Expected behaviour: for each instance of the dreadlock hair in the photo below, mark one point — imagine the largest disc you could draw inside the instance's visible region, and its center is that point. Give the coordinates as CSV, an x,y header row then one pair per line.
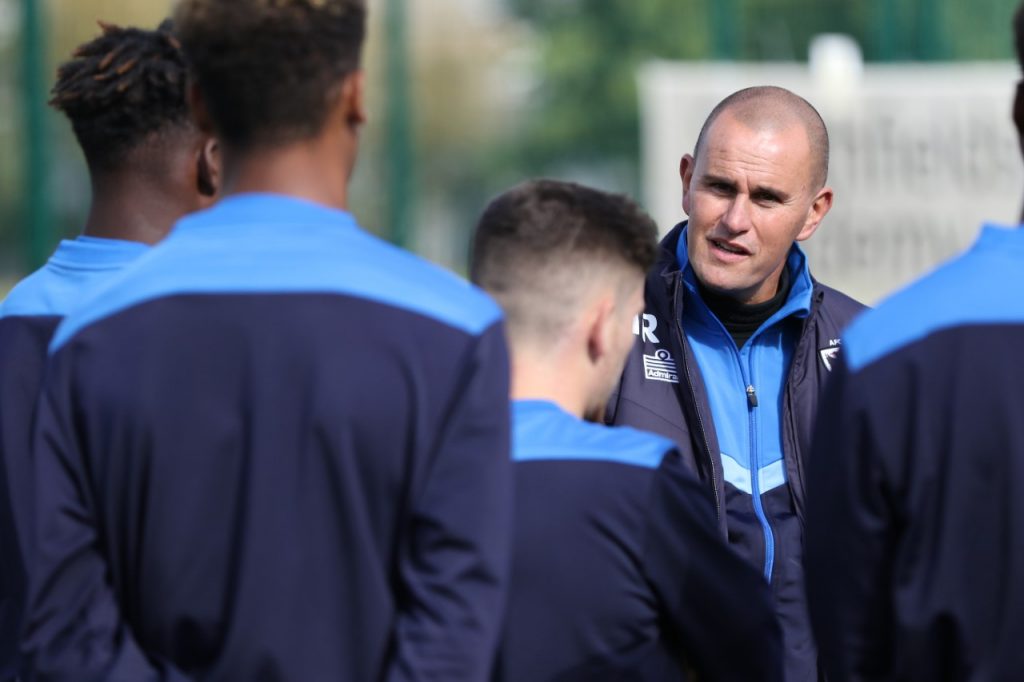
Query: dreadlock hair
x,y
269,70
120,89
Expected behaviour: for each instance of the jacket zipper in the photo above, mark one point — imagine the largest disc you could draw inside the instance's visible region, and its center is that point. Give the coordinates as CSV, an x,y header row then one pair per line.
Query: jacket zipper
x,y
677,316
755,471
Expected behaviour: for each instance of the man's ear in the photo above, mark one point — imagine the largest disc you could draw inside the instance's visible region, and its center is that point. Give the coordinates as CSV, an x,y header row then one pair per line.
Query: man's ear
x,y
208,168
353,100
686,166
600,326
198,109
819,209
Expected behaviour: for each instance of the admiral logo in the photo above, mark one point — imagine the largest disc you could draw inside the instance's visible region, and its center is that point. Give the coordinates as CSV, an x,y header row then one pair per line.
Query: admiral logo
x,y
661,367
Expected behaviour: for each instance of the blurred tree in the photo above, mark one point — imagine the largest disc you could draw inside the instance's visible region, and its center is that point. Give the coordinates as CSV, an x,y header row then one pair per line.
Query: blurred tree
x,y
584,113
584,116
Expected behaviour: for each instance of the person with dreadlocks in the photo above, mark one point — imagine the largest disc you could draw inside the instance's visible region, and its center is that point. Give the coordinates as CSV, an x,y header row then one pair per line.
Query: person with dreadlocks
x,y
278,447
125,95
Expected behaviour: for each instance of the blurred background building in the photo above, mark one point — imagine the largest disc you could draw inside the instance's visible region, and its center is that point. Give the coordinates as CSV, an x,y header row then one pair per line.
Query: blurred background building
x,y
470,96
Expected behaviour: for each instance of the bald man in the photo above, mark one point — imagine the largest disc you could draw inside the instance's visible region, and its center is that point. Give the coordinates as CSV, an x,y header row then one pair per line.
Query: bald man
x,y
737,339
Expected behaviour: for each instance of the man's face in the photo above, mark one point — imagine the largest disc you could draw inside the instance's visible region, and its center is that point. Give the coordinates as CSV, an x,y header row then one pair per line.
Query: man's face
x,y
749,196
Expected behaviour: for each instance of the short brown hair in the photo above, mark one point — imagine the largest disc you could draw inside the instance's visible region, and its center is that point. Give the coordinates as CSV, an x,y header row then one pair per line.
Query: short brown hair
x,y
269,69
536,245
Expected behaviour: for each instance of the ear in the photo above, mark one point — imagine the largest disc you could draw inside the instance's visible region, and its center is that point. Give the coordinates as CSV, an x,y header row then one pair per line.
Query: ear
x,y
200,112
600,328
819,209
353,101
208,168
686,166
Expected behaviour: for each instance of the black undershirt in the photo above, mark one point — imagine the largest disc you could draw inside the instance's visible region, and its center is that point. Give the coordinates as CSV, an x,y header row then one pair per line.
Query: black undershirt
x,y
741,320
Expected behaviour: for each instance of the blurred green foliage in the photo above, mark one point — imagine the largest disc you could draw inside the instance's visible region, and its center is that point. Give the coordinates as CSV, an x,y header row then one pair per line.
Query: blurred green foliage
x,y
581,118
586,111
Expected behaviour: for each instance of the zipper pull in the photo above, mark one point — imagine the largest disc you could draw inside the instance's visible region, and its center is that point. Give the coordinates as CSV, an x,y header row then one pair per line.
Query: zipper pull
x,y
751,396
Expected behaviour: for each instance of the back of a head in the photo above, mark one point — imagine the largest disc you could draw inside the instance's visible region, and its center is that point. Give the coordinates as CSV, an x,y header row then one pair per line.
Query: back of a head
x,y
122,90
772,107
541,246
269,70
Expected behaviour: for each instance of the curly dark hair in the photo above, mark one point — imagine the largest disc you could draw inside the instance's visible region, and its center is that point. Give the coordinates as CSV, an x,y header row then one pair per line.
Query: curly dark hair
x,y
120,88
269,70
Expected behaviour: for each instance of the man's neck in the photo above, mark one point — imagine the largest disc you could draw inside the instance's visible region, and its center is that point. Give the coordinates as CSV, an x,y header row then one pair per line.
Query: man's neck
x,y
742,320
534,379
308,170
123,208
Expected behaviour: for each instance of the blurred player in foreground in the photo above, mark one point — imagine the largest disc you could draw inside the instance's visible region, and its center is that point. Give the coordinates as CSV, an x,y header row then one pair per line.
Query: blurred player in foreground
x,y
618,566
278,449
124,93
915,531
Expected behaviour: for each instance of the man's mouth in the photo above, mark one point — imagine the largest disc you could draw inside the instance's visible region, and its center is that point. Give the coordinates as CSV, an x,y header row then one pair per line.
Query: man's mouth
x,y
727,247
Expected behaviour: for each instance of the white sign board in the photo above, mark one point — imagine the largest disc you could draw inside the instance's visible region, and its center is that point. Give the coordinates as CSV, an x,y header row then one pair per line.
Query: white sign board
x,y
922,155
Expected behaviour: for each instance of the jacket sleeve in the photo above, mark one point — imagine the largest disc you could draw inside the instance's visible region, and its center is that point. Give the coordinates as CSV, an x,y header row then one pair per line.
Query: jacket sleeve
x,y
848,537
717,606
22,356
455,560
74,628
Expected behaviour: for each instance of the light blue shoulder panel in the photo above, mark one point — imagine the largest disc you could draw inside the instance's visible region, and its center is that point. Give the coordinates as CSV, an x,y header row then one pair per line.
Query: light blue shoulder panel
x,y
985,285
543,431
258,243
73,272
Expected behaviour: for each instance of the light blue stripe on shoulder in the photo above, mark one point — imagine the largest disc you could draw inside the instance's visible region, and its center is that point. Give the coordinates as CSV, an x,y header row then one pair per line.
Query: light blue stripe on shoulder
x,y
982,286
263,244
36,296
75,269
542,431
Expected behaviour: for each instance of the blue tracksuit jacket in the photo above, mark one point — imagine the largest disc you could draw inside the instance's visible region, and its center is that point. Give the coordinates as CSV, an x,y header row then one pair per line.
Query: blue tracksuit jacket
x,y
28,317
915,531
276,448
619,572
745,416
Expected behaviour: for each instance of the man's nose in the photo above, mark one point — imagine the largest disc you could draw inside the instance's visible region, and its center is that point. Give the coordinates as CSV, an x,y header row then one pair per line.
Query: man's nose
x,y
736,218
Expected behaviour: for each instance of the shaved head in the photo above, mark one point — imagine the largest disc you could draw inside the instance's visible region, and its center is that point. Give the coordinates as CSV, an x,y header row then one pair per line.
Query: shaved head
x,y
771,108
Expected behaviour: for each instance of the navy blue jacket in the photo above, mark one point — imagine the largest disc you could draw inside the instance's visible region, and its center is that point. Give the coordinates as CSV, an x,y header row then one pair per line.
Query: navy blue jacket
x,y
686,380
276,448
915,531
28,317
619,572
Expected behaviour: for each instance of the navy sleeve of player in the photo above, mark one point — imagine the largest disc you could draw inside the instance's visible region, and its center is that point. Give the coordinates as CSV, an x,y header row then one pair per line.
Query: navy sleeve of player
x,y
456,556
22,356
74,629
719,609
848,540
